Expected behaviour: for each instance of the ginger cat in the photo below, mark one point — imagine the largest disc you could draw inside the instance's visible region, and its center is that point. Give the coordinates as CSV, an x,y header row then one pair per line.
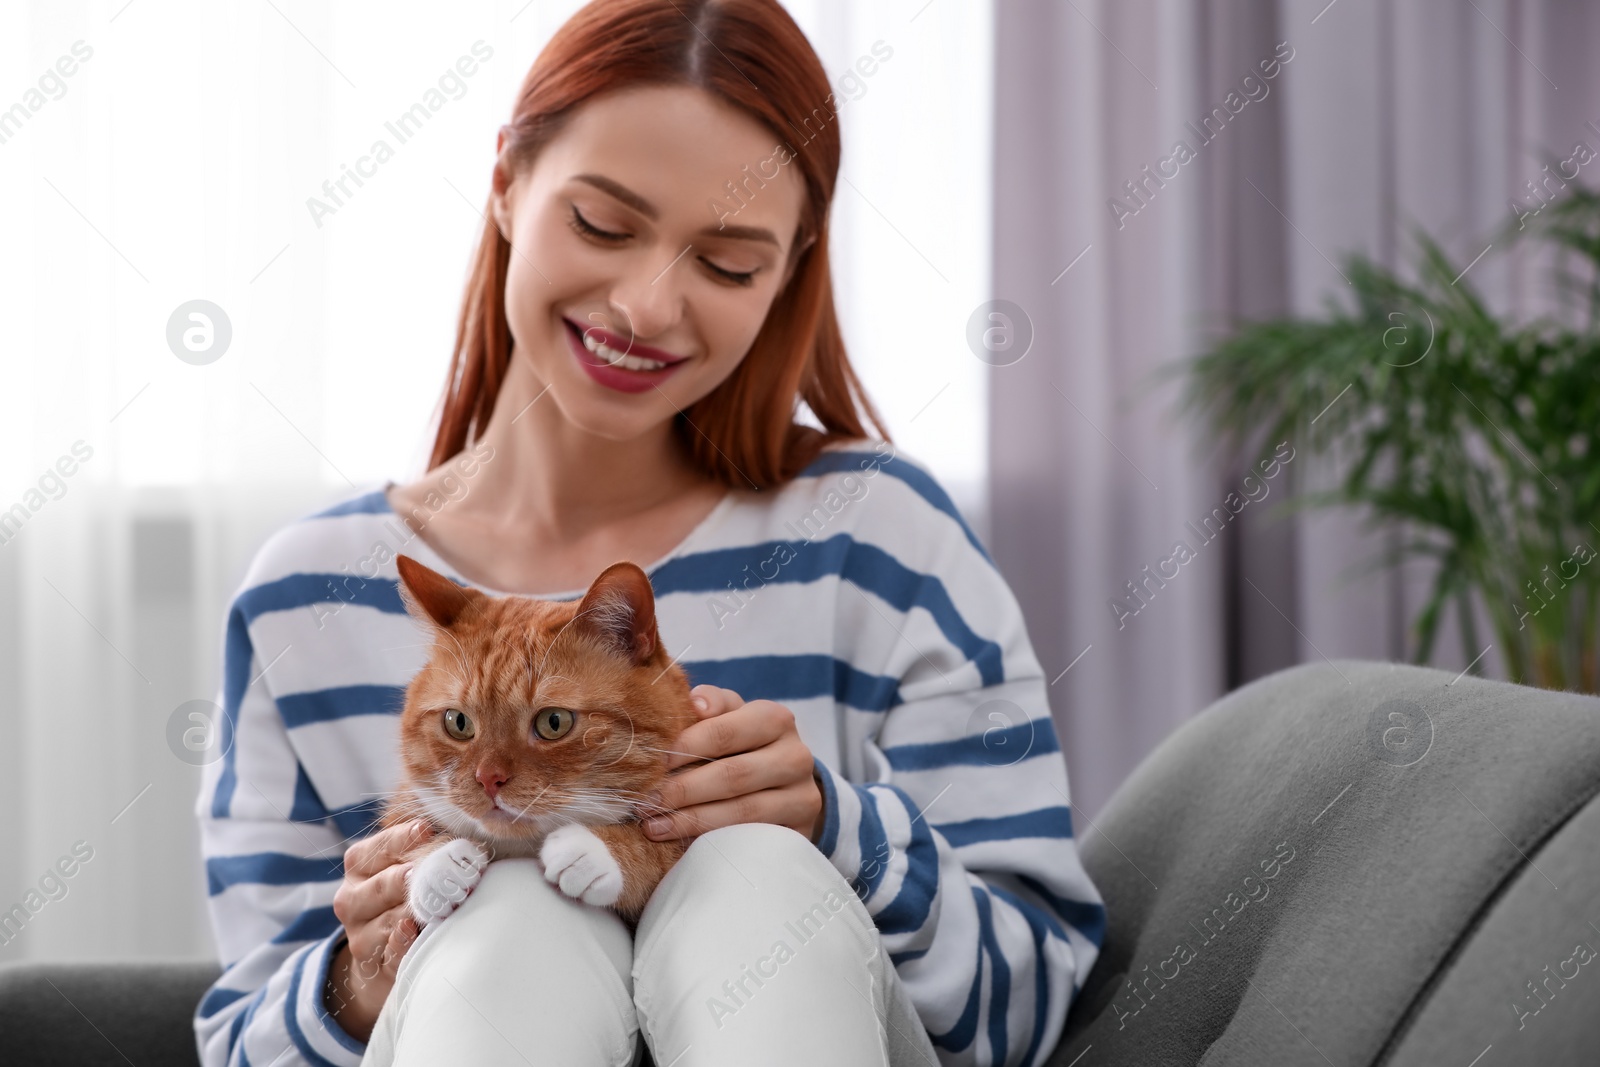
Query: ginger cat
x,y
533,730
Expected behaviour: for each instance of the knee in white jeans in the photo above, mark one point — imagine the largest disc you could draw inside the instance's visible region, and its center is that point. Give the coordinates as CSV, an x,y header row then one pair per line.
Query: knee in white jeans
x,y
514,936
759,882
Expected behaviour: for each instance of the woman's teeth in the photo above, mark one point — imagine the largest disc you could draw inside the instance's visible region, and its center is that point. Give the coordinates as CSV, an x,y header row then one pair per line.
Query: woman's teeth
x,y
618,359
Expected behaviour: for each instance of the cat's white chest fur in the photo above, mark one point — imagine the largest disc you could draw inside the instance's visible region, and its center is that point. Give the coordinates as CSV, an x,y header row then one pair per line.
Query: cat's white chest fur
x,y
577,861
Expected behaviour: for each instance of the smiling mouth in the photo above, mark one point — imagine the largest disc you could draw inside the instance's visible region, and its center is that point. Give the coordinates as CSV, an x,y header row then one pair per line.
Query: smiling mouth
x,y
610,356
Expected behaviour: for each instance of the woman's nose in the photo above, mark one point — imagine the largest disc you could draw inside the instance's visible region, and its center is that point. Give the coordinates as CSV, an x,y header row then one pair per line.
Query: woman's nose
x,y
650,297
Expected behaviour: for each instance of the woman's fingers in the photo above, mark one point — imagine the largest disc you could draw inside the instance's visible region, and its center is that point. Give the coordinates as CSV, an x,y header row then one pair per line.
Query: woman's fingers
x,y
723,779
384,848
712,700
402,932
361,902
743,729
786,806
781,763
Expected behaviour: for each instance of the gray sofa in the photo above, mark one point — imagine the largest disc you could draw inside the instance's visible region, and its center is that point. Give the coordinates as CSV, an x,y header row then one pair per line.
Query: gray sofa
x,y
1350,863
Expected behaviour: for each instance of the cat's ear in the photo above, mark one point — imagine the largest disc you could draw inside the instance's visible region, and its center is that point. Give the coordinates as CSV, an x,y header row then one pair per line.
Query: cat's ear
x,y
620,609
429,596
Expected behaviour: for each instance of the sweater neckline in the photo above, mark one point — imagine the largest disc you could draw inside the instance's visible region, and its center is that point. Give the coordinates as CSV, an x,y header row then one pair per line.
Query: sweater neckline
x,y
427,555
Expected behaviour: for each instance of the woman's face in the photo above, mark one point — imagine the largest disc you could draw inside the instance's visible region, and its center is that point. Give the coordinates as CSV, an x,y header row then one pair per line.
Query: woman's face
x,y
679,269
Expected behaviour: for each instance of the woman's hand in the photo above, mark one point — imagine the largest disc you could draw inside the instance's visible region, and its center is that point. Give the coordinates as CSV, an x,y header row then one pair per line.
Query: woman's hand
x,y
371,903
760,771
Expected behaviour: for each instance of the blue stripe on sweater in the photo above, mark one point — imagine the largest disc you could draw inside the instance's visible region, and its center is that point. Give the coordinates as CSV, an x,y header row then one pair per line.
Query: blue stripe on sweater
x,y
1086,917
1053,821
353,822
1037,921
291,1020
908,911
864,565
767,677
236,655
871,568
270,868
873,841
999,975
1051,924
217,999
965,1028
330,1025
373,503
997,746
905,471
800,676
306,806
358,820
340,702
305,588
313,924
241,1023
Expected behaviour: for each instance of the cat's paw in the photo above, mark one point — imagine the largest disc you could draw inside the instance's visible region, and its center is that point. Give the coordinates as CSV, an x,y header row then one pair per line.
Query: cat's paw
x,y
437,886
577,860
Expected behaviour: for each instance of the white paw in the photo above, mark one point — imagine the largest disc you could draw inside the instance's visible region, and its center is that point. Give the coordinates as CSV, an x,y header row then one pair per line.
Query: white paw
x,y
579,862
437,886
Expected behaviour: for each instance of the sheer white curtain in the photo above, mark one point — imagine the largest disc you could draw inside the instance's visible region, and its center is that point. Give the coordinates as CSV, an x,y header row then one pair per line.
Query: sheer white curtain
x,y
160,152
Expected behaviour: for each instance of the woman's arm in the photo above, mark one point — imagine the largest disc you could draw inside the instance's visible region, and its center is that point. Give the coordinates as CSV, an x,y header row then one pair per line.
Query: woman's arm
x,y
271,870
960,842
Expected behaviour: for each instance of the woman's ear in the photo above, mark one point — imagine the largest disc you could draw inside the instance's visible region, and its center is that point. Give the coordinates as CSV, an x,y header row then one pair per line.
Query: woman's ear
x,y
500,185
794,261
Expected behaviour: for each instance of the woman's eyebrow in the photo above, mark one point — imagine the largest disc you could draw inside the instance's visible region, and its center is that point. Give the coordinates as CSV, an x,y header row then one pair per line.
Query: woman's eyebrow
x,y
648,210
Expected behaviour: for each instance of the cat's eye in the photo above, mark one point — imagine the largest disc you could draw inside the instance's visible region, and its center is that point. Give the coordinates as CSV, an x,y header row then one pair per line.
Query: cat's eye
x,y
551,723
458,725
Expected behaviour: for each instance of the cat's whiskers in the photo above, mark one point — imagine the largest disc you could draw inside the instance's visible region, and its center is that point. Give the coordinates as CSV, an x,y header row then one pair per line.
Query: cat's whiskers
x,y
607,805
450,816
675,752
531,803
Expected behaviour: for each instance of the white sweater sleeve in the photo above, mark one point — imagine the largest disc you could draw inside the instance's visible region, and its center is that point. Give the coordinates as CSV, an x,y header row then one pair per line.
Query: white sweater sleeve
x,y
271,866
961,842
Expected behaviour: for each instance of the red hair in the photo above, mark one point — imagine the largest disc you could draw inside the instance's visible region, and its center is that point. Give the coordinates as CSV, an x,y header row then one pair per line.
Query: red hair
x,y
750,54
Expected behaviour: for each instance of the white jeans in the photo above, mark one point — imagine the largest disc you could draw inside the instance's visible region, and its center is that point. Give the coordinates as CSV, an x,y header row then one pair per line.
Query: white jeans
x,y
752,950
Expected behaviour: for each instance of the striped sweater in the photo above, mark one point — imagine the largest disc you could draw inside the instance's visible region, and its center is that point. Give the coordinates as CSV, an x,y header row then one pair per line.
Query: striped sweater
x,y
856,595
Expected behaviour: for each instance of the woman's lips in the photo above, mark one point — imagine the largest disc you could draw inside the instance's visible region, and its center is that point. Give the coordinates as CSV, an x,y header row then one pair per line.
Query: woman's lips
x,y
622,379
618,343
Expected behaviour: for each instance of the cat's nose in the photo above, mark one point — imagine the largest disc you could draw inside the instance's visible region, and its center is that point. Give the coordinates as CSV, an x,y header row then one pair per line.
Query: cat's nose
x,y
491,778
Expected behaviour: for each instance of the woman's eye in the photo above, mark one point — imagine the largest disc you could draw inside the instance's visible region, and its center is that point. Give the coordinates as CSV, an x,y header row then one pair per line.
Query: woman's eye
x,y
584,226
458,725
589,229
551,723
740,278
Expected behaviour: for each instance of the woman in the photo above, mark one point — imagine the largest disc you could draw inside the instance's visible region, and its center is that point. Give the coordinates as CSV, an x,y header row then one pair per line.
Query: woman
x,y
649,305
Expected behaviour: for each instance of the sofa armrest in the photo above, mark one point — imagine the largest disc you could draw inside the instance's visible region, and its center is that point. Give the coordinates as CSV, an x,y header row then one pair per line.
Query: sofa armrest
x,y
1301,872
77,1013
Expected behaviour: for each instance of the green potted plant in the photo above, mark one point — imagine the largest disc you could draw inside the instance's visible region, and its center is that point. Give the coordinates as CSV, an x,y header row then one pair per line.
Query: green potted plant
x,y
1478,436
